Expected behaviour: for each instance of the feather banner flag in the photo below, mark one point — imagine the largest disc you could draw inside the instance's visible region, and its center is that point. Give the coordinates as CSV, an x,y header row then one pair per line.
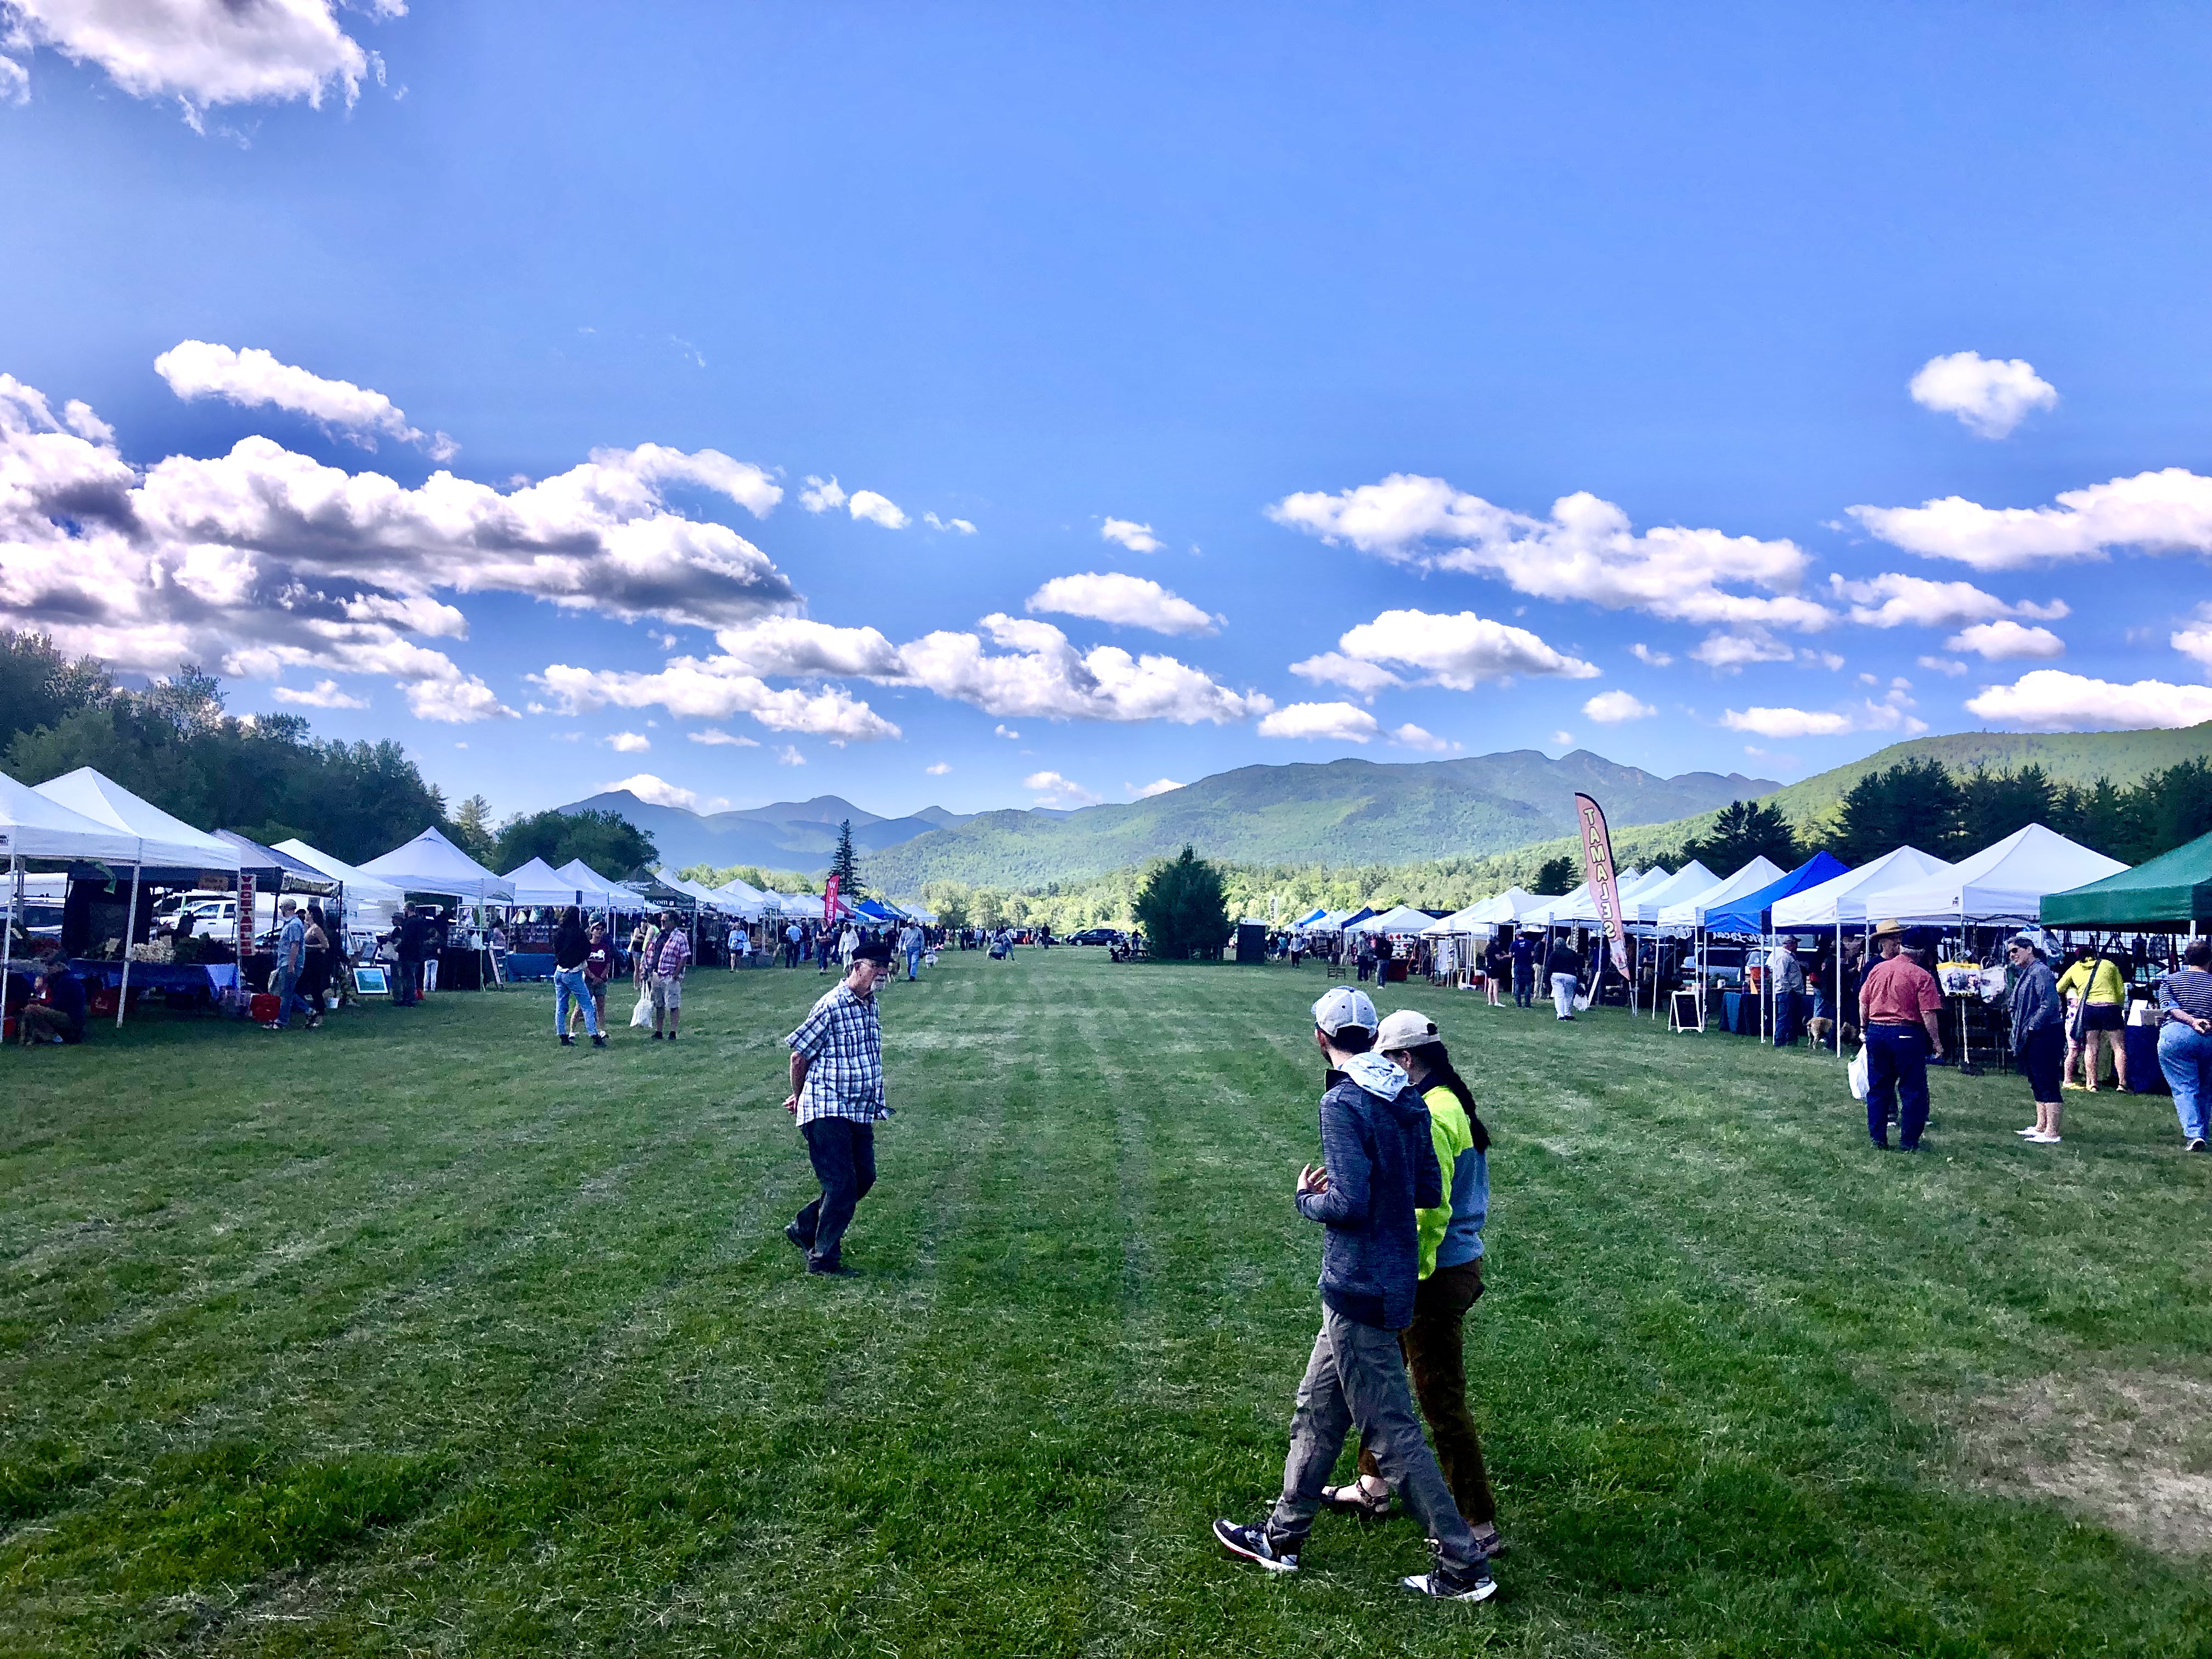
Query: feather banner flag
x,y
1605,892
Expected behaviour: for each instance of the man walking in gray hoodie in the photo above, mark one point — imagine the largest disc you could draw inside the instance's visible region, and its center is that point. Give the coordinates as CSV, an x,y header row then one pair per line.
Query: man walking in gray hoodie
x,y
1379,1165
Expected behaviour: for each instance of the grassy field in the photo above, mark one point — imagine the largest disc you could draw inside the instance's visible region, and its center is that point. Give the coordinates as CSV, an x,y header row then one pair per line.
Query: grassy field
x,y
421,1335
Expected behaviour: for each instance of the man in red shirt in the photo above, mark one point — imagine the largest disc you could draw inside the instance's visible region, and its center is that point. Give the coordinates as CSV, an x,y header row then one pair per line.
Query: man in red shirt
x,y
1900,1010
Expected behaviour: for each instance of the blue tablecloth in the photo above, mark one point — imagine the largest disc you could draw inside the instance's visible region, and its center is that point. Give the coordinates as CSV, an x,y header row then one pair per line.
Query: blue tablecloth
x,y
526,964
213,977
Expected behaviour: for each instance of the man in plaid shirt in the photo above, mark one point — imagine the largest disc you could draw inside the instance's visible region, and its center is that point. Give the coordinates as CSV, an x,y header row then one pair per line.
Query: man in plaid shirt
x,y
837,1095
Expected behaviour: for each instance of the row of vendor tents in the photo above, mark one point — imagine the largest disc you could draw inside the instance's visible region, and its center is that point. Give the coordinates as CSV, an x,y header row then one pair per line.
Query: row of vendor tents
x,y
2032,875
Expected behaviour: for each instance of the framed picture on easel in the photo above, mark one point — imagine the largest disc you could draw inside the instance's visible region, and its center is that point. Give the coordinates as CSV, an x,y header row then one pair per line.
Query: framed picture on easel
x,y
371,983
1687,1013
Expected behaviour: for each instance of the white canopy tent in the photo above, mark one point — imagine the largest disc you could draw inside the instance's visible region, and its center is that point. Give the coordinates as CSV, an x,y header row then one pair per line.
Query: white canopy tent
x,y
597,889
1400,922
162,841
1630,885
1851,897
2001,885
370,904
1691,912
34,825
1508,906
431,863
1539,914
539,883
1692,881
1461,920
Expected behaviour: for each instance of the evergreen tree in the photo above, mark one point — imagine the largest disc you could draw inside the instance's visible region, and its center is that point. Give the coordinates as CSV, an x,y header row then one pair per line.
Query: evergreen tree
x,y
1555,878
1183,910
473,832
1914,803
1743,831
845,864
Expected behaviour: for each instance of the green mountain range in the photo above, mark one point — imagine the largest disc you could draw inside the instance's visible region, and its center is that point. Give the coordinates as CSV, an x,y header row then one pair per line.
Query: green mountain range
x,y
1347,812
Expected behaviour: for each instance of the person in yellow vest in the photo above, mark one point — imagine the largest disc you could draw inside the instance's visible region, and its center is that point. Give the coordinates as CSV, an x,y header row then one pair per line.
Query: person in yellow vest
x,y
2104,994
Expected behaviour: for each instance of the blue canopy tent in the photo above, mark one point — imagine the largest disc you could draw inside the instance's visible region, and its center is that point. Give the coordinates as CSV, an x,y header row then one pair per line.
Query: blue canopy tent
x,y
1751,913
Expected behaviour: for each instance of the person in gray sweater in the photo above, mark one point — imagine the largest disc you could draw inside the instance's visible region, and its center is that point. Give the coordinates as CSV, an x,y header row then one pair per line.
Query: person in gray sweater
x,y
1379,1165
2039,1038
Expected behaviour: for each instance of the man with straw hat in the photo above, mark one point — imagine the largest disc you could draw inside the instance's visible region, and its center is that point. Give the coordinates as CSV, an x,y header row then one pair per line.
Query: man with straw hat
x,y
1901,1009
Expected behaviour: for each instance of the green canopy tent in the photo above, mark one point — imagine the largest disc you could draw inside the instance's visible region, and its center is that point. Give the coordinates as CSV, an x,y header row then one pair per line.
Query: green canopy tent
x,y
2169,892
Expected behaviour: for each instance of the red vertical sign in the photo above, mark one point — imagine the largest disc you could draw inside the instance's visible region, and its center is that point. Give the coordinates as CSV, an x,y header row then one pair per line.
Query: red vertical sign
x,y
1605,892
829,902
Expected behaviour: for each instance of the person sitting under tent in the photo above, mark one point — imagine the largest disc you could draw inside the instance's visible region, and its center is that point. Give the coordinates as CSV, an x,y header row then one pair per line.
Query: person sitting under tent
x,y
62,1017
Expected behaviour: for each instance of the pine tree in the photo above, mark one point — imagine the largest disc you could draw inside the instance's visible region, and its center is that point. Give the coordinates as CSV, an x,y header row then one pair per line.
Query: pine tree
x,y
472,821
1555,878
1184,911
1745,830
845,864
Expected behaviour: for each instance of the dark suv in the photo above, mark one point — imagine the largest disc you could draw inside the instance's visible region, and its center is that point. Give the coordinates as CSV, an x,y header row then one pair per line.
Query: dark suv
x,y
1097,936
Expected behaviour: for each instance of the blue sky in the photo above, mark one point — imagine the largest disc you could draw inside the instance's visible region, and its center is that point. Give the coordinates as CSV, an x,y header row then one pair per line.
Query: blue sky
x,y
1334,303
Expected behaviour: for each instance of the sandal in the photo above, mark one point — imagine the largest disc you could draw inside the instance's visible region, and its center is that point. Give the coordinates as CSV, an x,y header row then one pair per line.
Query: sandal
x,y
1356,1500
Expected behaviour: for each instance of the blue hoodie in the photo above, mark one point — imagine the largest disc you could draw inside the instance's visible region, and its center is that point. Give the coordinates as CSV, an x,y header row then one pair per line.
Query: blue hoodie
x,y
1381,1165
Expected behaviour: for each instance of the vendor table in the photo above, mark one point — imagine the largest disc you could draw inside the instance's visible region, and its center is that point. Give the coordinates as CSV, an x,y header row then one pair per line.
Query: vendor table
x,y
527,964
212,978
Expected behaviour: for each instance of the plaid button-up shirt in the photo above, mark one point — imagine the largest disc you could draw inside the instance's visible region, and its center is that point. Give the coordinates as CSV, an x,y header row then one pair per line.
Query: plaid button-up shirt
x,y
842,1038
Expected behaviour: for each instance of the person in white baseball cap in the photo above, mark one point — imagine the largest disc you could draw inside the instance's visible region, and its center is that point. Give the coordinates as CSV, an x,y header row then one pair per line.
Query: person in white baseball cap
x,y
1451,1281
1380,1166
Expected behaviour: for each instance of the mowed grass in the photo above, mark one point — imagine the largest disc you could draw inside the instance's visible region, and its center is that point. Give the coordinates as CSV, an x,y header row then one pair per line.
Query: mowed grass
x,y
423,1335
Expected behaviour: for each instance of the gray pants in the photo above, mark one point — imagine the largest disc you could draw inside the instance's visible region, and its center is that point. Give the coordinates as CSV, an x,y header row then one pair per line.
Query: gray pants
x,y
1356,1378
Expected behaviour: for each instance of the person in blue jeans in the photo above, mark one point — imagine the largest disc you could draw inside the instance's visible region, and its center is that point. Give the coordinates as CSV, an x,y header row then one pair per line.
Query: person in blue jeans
x,y
2184,1039
572,949
1901,1009
291,961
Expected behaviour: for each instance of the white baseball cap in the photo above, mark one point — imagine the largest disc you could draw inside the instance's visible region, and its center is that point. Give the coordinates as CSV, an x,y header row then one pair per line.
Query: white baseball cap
x,y
1339,1006
1406,1029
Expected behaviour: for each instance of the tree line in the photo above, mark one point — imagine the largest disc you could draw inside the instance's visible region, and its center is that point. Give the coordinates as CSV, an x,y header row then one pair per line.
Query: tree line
x,y
265,776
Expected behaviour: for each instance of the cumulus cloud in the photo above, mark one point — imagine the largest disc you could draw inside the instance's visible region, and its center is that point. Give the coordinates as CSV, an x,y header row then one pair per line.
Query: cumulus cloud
x,y
1587,551
1052,789
1894,601
253,379
1137,537
1410,736
1006,732
2051,700
714,689
2195,638
959,526
1460,651
1990,395
1889,715
628,743
821,494
1995,641
877,509
938,768
1156,787
1334,668
1943,665
1645,653
201,53
715,737
1563,739
1127,601
1728,653
788,755
1616,708
1339,722
324,694
653,791
2164,512
263,559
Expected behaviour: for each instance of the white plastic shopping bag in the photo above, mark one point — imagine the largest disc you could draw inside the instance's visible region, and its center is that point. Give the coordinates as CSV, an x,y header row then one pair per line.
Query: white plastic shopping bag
x,y
643,1014
1860,1082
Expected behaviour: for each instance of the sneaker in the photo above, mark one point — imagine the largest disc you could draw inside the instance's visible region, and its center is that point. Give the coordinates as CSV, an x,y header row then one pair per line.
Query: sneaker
x,y
568,1042
2043,1140
600,1041
1471,1584
271,1026
829,1269
2196,1144
1257,1546
2028,1133
657,1037
802,1240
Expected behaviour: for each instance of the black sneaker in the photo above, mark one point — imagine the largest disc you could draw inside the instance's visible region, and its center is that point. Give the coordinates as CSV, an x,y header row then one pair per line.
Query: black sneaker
x,y
656,1036
568,1042
829,1269
1471,1584
600,1041
791,1231
1258,1546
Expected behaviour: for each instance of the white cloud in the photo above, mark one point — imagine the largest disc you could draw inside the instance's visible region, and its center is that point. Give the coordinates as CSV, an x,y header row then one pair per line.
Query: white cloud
x,y
877,509
1137,537
628,743
1996,640
788,755
1891,600
326,695
1052,789
1006,732
201,53
2164,512
1156,787
1990,395
654,792
1334,668
1728,653
714,689
15,82
1944,665
1339,722
2196,639
1127,601
262,559
939,769
1617,707
1585,551
821,494
1410,736
253,379
1460,651
1887,715
2051,700
1563,739
714,737
960,525
1645,653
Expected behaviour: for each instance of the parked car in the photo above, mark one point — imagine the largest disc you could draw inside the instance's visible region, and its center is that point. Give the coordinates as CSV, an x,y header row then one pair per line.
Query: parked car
x,y
1097,936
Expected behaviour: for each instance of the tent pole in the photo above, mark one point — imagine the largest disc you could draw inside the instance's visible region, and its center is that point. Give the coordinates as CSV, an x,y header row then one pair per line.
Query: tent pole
x,y
129,927
15,917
